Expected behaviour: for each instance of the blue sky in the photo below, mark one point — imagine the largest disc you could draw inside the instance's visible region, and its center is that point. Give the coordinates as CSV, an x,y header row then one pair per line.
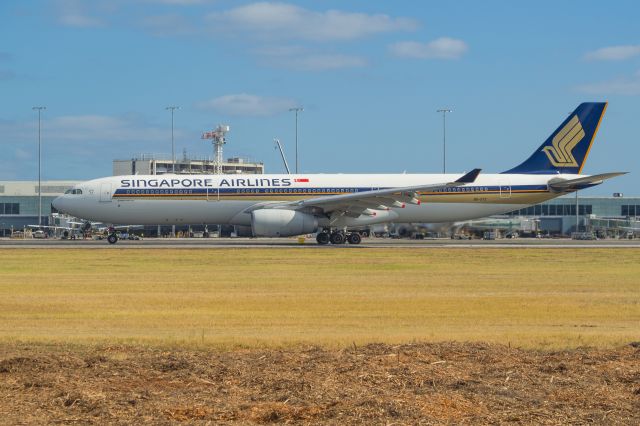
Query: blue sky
x,y
370,75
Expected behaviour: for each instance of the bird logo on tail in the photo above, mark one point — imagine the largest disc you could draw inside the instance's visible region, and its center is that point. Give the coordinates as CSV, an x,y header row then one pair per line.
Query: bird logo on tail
x,y
560,153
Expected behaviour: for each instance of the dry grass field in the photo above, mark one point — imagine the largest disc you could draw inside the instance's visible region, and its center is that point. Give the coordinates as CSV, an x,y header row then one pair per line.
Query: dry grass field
x,y
421,383
530,298
315,336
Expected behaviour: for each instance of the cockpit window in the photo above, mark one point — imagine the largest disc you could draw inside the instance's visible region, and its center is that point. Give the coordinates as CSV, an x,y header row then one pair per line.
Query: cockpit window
x,y
73,191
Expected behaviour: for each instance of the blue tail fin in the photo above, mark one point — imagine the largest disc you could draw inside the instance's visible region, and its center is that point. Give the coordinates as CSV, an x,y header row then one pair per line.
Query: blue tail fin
x,y
566,150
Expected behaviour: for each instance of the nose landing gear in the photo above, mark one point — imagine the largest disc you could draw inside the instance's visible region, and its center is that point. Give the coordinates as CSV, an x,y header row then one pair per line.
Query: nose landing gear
x,y
112,238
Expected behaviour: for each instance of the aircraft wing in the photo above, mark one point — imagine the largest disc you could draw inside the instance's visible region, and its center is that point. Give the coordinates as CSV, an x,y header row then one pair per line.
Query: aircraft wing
x,y
580,183
366,202
49,227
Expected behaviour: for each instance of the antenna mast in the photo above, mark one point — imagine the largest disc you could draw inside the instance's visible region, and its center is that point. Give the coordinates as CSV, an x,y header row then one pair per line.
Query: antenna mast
x,y
218,138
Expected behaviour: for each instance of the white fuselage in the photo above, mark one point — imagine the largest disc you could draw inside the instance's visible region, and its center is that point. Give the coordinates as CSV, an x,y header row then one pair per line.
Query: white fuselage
x,y
224,199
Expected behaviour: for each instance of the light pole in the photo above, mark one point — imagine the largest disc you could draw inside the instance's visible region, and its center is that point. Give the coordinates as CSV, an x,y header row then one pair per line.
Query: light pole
x,y
577,217
172,108
297,110
39,109
444,112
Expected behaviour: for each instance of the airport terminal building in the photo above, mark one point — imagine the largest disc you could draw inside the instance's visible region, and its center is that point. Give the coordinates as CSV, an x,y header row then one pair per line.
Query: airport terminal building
x,y
558,216
154,164
19,202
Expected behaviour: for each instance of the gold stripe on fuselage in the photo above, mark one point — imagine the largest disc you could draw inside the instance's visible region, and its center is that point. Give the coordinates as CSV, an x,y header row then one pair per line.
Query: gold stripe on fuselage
x,y
513,197
481,197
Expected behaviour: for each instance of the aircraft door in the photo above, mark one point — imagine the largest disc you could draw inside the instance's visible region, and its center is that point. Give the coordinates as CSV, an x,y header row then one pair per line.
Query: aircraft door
x,y
105,193
505,190
213,194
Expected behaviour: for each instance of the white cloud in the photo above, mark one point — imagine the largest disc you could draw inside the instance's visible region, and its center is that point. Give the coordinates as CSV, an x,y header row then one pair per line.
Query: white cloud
x,y
80,145
179,2
324,61
244,104
85,128
167,25
281,51
286,21
619,86
83,144
73,13
78,20
103,128
268,23
441,48
614,53
301,58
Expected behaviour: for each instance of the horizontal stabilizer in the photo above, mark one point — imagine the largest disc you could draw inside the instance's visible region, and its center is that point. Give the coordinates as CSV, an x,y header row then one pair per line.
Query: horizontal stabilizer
x,y
557,184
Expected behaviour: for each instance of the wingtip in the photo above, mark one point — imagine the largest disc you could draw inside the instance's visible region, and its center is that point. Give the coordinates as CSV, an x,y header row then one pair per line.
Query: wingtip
x,y
469,177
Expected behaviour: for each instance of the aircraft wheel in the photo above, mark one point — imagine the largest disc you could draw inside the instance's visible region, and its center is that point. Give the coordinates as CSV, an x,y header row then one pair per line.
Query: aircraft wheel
x,y
354,238
322,238
112,239
336,238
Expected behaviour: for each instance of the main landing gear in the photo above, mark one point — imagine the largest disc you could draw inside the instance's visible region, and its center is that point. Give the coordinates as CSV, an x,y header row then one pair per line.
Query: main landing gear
x,y
354,238
338,237
322,238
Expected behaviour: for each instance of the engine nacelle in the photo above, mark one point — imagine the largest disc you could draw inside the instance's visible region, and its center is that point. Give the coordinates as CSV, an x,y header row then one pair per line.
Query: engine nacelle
x,y
282,223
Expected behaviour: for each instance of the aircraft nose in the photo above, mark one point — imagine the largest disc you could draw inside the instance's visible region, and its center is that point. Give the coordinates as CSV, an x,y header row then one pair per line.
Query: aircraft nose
x,y
57,203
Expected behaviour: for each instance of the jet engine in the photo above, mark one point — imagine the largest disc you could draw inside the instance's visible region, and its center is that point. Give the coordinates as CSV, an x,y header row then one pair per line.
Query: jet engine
x,y
282,223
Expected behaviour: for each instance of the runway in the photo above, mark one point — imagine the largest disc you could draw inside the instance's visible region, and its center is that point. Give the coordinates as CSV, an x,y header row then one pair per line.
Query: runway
x,y
195,243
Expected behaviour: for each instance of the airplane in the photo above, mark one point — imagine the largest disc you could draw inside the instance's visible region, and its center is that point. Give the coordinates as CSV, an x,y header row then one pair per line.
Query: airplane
x,y
284,205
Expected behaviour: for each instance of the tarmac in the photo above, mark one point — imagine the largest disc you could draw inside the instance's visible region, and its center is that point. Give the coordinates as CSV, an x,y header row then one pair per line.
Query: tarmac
x,y
194,243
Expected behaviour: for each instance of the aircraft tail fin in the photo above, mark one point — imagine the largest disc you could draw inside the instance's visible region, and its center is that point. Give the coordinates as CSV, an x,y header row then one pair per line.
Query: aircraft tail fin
x,y
566,150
